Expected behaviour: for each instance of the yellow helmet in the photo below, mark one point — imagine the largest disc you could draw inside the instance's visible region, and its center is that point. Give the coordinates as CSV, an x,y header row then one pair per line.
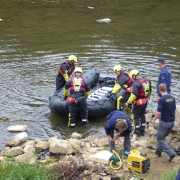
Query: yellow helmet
x,y
72,58
133,72
117,68
78,69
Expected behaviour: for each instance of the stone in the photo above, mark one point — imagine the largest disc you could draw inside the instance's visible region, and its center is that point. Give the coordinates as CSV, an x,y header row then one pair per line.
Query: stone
x,y
16,128
18,139
101,157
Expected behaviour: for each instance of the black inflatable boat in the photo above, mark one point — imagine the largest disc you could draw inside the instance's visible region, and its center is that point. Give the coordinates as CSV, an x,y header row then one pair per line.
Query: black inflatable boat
x,y
99,102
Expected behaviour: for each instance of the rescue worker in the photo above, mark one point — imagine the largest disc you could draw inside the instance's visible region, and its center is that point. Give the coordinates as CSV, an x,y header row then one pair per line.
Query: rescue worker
x,y
166,114
64,71
79,91
141,92
164,76
123,81
117,120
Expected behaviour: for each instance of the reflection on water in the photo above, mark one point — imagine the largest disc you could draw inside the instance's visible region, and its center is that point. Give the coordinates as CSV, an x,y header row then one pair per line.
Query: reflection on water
x,y
37,35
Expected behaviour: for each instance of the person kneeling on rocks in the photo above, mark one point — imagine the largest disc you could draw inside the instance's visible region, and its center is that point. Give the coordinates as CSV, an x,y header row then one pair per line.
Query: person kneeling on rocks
x,y
117,120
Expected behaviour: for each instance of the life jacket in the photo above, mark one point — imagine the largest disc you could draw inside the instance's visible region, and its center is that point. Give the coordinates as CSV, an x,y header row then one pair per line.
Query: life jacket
x,y
77,84
70,67
145,87
129,89
130,80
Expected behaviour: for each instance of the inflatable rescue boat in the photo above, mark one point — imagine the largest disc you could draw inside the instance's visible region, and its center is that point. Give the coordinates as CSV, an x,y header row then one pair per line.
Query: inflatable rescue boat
x,y
99,102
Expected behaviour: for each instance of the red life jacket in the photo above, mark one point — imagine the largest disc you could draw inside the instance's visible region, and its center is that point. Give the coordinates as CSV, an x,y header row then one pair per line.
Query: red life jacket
x,y
130,80
77,84
129,89
145,87
70,67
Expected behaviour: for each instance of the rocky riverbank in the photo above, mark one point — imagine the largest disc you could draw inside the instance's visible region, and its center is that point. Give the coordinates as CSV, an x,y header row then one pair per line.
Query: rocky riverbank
x,y
78,152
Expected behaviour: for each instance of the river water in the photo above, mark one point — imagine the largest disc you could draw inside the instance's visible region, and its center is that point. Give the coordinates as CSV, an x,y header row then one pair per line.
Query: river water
x,y
35,36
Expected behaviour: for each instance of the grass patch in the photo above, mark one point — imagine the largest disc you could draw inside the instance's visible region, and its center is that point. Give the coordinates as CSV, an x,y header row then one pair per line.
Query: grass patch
x,y
13,170
170,175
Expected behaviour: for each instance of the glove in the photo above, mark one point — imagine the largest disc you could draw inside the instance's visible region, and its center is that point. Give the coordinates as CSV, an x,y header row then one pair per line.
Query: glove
x,y
65,97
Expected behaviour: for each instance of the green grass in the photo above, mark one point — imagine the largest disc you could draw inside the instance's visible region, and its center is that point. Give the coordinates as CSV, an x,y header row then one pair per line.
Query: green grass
x,y
170,175
11,170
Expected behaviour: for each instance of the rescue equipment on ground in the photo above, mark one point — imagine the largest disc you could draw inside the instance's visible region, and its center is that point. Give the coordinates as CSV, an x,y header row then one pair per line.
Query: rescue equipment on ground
x,y
138,161
114,159
71,100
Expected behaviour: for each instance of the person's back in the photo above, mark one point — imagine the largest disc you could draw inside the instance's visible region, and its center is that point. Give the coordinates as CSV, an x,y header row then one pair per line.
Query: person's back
x,y
166,106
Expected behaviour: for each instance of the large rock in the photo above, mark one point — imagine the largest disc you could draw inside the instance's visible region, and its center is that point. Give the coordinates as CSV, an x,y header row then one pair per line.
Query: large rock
x,y
18,139
101,157
42,145
60,147
17,128
12,152
30,158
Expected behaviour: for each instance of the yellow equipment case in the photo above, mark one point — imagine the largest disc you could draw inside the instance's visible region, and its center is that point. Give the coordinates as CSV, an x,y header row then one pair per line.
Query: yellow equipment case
x,y
138,161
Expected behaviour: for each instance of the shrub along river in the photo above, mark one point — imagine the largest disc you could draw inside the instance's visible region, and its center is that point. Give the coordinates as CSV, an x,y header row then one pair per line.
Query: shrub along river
x,y
37,35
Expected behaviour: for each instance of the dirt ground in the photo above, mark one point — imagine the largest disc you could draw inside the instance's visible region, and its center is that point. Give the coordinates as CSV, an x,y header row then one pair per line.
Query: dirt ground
x,y
158,165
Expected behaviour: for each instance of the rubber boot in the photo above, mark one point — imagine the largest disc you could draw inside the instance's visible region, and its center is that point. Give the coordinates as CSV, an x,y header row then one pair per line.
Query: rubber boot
x,y
142,132
137,132
84,122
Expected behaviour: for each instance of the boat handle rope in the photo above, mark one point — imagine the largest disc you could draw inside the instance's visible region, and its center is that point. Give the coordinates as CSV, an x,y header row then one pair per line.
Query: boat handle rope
x,y
98,102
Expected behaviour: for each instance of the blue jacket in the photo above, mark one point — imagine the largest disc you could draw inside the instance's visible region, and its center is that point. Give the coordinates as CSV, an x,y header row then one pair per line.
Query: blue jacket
x,y
112,119
164,77
167,107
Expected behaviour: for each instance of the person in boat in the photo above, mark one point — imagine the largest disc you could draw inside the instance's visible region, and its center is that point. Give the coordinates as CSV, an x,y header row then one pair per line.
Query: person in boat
x,y
117,120
64,71
123,81
164,76
140,93
79,90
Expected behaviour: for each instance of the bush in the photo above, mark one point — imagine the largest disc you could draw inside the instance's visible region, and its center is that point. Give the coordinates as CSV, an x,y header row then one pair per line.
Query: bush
x,y
11,170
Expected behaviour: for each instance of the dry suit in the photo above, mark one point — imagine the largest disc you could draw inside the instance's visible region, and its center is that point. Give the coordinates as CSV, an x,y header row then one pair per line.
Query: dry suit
x,y
141,92
122,82
64,71
79,91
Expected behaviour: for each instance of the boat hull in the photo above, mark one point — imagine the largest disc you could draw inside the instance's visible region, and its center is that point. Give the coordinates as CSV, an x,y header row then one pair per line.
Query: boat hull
x,y
99,102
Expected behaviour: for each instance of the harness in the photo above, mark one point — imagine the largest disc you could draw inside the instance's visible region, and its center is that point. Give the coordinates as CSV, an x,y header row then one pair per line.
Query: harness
x,y
70,67
145,86
77,84
130,80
